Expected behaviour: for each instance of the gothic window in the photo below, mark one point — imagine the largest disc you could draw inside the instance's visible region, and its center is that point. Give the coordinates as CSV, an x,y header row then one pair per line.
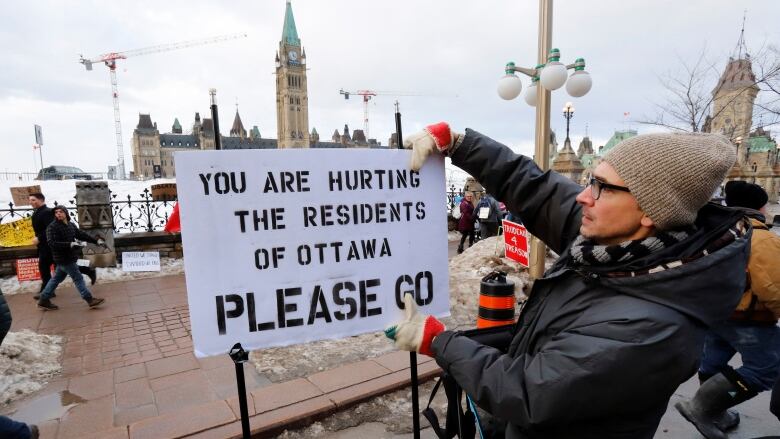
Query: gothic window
x,y
291,100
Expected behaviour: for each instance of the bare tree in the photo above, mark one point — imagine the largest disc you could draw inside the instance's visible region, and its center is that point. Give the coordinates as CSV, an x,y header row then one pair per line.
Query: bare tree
x,y
687,104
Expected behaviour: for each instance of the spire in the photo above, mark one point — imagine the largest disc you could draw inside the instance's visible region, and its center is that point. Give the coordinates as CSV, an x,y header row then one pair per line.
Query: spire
x,y
176,129
740,51
290,33
238,127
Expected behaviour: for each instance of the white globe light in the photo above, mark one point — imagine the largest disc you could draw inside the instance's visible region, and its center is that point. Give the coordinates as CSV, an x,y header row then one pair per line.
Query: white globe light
x,y
530,95
553,75
509,87
579,84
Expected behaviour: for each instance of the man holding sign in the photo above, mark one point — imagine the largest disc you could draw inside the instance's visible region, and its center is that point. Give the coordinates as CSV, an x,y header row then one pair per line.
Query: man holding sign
x,y
617,323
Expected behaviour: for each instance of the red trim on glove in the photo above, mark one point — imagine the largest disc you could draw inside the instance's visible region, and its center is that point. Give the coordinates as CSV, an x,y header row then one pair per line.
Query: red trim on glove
x,y
432,328
441,135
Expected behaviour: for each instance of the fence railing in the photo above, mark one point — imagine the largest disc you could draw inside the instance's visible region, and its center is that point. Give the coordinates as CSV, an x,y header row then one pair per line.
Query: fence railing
x,y
143,214
17,213
31,176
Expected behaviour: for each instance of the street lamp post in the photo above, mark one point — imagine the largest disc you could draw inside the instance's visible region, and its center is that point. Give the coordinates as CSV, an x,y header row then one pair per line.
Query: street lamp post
x,y
568,113
551,73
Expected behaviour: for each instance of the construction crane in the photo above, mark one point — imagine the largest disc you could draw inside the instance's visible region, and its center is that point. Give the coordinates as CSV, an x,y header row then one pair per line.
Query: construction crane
x,y
369,94
110,59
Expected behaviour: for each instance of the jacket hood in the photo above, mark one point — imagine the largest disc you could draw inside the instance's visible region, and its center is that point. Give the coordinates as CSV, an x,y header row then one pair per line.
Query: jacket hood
x,y
64,210
702,276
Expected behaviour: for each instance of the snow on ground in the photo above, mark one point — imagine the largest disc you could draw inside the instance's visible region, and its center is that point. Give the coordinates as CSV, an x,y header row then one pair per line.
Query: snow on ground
x,y
27,361
63,191
466,270
453,236
168,266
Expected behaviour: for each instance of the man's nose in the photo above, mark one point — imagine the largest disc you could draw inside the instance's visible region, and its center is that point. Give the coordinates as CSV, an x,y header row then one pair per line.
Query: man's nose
x,y
585,197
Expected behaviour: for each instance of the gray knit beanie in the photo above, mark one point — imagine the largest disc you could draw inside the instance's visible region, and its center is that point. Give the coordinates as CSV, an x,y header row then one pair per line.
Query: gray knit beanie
x,y
672,175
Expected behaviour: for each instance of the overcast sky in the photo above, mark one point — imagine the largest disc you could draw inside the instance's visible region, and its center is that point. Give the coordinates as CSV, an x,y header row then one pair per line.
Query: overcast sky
x,y
453,51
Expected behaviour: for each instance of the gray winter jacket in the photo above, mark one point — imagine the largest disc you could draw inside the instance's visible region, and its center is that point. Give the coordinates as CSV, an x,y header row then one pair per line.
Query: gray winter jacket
x,y
595,353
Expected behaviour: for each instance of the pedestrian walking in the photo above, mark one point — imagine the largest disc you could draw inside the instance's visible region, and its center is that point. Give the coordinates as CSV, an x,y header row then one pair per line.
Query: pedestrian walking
x,y
61,236
466,221
751,330
41,218
617,322
489,215
10,429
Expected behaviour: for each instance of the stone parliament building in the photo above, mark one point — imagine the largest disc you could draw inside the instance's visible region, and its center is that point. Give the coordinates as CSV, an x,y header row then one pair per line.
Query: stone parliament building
x,y
733,99
153,151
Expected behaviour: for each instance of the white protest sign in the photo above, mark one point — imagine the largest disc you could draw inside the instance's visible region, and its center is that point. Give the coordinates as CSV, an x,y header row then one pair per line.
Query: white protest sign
x,y
296,245
140,261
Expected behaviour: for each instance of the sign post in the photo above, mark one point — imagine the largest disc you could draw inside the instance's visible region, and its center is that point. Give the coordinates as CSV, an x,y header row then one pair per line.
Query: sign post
x,y
39,142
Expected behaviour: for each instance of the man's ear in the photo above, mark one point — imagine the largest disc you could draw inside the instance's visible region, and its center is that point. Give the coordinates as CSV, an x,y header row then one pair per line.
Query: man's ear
x,y
646,221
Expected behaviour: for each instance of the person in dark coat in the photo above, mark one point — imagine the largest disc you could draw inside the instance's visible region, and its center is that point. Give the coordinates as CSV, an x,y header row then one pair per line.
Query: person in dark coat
x,y
617,323
751,330
41,218
466,221
61,236
489,224
10,429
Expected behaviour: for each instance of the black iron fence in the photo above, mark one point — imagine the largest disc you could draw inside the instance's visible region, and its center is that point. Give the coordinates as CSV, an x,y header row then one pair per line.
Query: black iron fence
x,y
143,214
17,213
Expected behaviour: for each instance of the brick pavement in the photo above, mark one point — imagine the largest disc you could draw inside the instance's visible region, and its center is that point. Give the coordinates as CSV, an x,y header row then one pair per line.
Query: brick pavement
x,y
132,362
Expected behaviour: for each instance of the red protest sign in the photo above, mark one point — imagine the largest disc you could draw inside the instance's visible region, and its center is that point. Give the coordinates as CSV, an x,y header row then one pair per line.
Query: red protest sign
x,y
27,269
515,242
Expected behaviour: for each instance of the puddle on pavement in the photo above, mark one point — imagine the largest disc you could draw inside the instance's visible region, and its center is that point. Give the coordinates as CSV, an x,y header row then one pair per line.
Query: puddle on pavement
x,y
44,408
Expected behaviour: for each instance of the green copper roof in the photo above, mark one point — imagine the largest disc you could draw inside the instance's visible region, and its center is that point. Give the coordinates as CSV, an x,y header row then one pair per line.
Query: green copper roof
x,y
290,34
587,160
176,124
616,138
761,144
254,132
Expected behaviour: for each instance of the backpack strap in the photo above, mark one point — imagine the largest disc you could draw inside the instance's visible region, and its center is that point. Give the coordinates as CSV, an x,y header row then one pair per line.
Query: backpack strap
x,y
457,423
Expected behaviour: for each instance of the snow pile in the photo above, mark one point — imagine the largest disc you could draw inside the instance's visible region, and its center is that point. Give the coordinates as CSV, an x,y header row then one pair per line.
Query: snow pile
x,y
168,266
453,236
466,270
27,361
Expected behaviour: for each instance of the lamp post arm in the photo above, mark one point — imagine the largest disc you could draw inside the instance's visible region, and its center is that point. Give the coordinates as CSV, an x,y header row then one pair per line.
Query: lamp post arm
x,y
524,70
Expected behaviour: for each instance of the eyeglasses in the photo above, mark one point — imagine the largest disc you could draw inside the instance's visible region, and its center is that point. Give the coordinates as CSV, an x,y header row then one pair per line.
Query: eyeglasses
x,y
597,185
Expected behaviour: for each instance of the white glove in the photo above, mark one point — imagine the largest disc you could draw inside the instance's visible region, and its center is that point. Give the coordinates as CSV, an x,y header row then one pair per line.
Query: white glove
x,y
436,137
101,242
416,332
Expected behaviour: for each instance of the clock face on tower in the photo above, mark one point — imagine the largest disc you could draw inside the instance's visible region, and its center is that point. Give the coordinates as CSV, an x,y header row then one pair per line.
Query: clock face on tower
x,y
293,55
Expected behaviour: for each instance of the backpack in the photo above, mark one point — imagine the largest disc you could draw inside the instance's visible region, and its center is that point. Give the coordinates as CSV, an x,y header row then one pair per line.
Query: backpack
x,y
466,424
483,208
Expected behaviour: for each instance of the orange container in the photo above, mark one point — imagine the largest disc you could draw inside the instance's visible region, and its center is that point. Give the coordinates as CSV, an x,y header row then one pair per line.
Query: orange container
x,y
496,301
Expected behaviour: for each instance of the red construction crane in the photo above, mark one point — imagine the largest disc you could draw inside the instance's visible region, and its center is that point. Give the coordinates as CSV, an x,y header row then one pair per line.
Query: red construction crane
x,y
109,59
368,94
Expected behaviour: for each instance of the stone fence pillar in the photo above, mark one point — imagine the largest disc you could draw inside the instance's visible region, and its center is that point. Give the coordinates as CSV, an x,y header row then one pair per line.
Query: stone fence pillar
x,y
93,204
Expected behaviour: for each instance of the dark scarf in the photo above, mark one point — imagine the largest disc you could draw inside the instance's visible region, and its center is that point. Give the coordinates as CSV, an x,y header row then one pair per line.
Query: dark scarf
x,y
586,252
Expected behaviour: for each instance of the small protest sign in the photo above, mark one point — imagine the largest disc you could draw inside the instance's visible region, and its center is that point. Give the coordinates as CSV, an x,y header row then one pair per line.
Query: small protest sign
x,y
21,194
516,242
27,269
140,261
296,245
17,233
164,191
